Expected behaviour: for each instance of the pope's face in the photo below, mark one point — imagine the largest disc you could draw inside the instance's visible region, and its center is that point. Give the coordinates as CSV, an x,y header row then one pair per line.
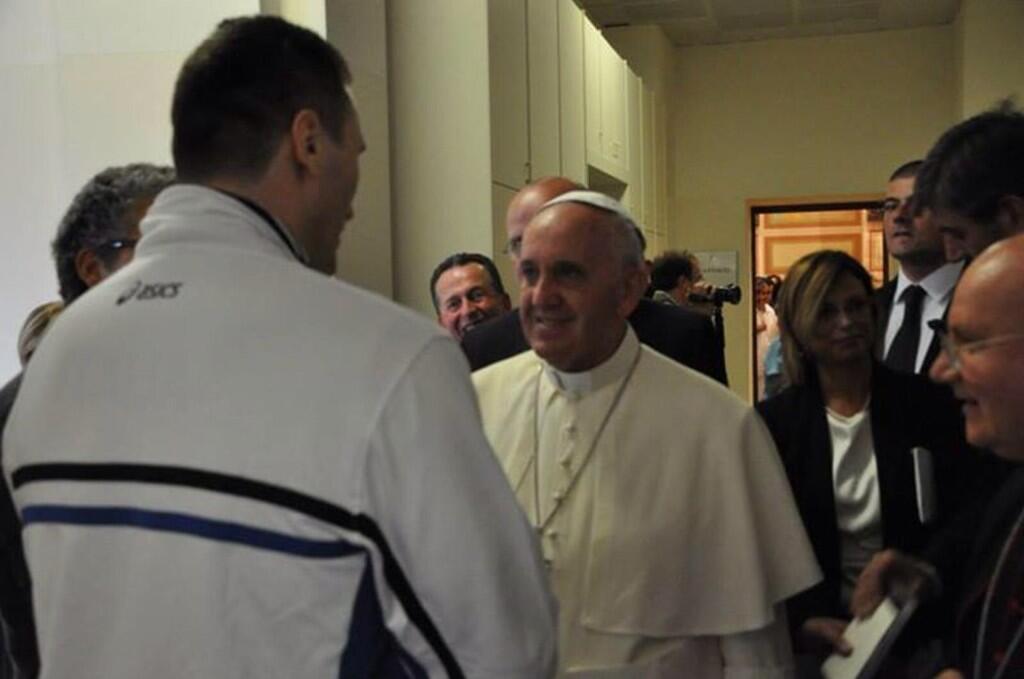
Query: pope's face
x,y
576,291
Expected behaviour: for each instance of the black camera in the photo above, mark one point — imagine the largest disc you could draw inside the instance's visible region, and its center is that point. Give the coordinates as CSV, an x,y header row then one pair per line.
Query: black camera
x,y
718,296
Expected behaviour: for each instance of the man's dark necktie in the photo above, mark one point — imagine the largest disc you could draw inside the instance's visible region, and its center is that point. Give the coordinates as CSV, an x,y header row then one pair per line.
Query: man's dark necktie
x,y
902,354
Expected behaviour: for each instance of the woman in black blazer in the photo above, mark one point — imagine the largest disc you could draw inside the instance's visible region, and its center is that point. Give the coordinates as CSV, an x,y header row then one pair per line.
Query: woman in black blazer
x,y
845,429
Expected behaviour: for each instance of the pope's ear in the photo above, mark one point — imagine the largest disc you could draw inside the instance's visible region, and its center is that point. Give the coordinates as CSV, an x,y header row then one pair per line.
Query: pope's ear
x,y
634,287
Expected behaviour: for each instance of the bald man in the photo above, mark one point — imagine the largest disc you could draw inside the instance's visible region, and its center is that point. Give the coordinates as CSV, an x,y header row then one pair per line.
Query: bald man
x,y
983,361
683,335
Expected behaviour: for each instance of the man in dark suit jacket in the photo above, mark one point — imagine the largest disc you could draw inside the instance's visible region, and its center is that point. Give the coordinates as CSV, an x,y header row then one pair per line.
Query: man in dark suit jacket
x,y
924,286
682,335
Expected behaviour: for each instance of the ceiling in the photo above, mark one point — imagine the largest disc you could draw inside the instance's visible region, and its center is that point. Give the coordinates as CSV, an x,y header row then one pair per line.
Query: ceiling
x,y
703,22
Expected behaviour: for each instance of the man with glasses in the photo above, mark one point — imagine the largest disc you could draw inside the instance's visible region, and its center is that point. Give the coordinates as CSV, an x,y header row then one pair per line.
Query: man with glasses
x,y
983,361
921,291
97,235
95,238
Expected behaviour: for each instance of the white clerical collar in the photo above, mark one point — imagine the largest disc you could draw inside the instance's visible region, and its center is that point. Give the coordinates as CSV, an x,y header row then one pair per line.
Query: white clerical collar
x,y
615,368
937,285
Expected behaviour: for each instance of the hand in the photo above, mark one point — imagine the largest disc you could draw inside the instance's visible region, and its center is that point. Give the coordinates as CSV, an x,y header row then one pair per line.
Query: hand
x,y
825,634
949,674
892,573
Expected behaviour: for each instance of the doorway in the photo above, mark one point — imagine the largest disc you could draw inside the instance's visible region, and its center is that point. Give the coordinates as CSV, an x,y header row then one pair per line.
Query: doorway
x,y
784,231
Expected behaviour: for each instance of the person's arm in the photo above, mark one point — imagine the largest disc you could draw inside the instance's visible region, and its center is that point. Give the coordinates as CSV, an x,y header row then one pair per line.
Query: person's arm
x,y
453,523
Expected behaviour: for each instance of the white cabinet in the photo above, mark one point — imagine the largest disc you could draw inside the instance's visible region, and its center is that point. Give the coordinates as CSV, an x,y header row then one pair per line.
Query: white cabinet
x,y
510,128
543,59
572,119
633,197
606,94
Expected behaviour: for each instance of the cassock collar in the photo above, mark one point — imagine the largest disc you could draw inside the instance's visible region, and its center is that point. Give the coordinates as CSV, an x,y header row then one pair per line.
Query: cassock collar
x,y
612,370
937,285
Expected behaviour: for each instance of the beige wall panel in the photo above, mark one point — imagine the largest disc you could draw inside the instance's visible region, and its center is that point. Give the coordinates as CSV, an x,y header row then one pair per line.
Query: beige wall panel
x,y
991,53
633,199
507,57
440,138
572,123
831,115
358,28
542,44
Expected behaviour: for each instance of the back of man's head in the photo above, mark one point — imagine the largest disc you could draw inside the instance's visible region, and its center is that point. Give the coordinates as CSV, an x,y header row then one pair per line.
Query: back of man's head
x,y
668,268
103,212
974,165
238,92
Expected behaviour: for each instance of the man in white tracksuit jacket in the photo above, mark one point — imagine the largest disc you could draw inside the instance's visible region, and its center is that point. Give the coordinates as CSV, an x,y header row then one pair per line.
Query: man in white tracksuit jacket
x,y
229,464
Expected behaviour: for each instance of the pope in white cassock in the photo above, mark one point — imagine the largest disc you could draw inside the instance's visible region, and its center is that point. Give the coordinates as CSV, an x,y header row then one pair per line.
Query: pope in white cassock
x,y
666,521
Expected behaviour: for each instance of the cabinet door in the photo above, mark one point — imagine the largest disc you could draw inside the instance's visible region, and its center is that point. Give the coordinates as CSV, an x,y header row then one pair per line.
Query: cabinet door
x,y
572,119
593,44
649,211
510,141
614,96
633,198
542,55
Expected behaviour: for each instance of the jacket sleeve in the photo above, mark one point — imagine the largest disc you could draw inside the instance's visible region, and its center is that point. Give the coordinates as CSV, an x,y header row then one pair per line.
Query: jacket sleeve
x,y
456,530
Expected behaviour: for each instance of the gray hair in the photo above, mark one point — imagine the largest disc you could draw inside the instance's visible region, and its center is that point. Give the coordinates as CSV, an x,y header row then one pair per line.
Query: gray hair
x,y
97,216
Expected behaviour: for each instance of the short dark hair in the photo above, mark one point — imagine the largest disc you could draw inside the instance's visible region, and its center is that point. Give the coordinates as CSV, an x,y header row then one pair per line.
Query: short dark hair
x,y
98,215
238,92
906,170
974,164
667,269
462,259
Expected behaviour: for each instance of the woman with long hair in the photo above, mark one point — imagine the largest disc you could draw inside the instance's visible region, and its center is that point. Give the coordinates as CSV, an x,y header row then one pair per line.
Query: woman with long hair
x,y
845,428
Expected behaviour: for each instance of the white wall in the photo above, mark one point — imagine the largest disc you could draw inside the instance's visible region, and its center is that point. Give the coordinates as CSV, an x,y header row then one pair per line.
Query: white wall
x,y
804,117
87,84
358,28
989,55
440,138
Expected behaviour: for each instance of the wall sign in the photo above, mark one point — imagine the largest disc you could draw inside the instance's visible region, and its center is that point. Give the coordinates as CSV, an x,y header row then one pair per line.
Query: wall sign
x,y
720,267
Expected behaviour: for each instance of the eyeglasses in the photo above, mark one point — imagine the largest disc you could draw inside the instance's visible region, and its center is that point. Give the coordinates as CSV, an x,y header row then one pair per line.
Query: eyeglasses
x,y
955,350
512,246
119,243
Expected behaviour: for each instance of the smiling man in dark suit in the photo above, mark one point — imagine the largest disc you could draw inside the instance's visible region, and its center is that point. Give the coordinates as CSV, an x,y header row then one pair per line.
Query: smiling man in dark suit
x,y
685,336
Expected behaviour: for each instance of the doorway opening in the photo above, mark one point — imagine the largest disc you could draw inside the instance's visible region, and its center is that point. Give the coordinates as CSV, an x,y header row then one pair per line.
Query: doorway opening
x,y
783,231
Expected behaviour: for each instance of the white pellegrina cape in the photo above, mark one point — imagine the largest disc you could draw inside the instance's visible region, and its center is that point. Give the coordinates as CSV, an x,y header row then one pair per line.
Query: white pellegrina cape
x,y
229,465
673,549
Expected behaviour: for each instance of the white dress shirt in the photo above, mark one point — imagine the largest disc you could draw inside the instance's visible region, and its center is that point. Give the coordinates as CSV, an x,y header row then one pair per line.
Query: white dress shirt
x,y
938,288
